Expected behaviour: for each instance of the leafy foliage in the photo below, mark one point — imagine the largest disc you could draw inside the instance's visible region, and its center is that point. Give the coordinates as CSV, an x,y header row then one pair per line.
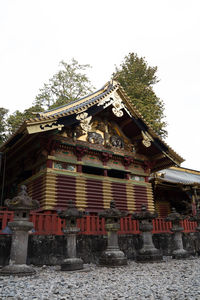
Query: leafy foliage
x,y
17,118
66,85
3,115
137,79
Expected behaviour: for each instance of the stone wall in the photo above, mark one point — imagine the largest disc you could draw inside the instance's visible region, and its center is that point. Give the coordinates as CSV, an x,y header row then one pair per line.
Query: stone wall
x,y
50,250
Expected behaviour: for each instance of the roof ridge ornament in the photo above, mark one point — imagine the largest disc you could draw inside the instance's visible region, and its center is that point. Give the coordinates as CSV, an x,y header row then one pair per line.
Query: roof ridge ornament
x,y
117,103
147,139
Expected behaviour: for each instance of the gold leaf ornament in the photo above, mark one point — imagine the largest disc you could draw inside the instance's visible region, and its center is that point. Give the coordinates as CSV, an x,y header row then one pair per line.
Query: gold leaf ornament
x,y
82,116
85,124
147,139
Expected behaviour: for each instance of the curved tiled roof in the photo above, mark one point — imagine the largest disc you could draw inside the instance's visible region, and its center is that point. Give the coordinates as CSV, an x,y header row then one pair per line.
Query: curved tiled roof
x,y
82,104
179,175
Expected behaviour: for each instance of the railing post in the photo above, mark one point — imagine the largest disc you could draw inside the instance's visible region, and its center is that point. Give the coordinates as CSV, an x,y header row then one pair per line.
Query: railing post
x,y
59,226
40,224
54,223
88,229
98,225
94,228
103,224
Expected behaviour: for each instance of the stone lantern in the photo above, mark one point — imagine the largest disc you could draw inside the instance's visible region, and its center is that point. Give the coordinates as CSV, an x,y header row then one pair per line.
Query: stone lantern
x,y
22,204
148,252
71,215
112,256
175,218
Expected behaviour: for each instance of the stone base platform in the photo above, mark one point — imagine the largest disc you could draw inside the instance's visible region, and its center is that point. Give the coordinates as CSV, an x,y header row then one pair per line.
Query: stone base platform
x,y
180,254
113,259
148,258
17,270
153,255
72,264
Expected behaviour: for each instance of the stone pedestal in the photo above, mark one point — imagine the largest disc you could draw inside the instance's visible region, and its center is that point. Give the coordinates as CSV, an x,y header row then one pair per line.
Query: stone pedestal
x,y
113,256
178,251
148,253
71,263
18,255
21,205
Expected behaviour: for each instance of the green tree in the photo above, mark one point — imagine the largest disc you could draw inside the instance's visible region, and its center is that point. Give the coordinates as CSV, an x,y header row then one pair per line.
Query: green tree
x,y
137,79
3,116
68,84
14,121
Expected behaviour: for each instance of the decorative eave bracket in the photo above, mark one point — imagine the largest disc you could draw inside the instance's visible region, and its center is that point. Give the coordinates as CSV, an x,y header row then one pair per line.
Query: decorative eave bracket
x,y
117,103
45,126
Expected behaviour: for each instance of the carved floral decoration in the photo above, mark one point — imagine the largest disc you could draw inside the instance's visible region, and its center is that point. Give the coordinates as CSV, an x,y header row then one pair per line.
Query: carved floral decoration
x,y
82,116
117,108
85,124
147,139
116,102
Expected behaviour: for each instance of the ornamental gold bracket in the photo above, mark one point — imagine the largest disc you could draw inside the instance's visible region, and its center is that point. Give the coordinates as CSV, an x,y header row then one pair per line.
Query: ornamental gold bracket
x,y
52,125
44,127
85,124
117,103
82,116
147,139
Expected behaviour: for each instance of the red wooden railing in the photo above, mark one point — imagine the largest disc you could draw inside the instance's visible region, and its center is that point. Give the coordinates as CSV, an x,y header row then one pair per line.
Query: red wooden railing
x,y
161,226
5,217
48,222
188,225
128,226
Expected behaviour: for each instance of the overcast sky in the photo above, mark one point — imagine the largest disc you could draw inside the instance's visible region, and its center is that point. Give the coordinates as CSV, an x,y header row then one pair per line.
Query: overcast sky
x,y
35,35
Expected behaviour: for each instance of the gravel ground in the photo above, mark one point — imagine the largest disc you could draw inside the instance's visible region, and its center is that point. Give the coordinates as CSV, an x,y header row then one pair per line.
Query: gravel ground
x,y
172,279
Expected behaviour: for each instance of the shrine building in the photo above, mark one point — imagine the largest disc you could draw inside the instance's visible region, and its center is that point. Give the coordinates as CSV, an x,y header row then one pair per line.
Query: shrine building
x,y
93,150
176,187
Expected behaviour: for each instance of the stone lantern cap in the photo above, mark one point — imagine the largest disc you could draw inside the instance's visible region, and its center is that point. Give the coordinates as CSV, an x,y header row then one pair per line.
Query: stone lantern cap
x,y
112,212
71,212
175,216
144,214
22,201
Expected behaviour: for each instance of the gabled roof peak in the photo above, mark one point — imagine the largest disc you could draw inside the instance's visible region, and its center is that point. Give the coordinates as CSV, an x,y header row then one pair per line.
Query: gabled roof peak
x,y
111,96
78,102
